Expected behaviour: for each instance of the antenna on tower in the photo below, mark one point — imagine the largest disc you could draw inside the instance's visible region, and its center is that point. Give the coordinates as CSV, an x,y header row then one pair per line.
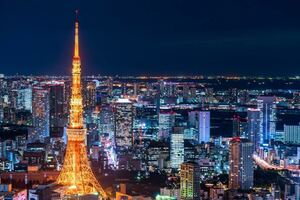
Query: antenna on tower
x,y
76,15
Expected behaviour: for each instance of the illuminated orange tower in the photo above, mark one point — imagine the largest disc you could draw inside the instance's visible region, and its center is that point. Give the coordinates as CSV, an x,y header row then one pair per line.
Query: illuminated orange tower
x,y
76,173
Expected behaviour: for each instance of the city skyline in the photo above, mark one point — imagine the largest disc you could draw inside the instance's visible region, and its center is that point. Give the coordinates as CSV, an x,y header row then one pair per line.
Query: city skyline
x,y
152,136
166,38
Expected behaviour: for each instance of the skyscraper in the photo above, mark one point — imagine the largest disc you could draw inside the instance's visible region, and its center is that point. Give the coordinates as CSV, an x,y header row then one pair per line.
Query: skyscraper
x,y
267,106
201,121
90,94
177,147
76,174
253,127
56,101
189,181
123,109
24,99
239,126
240,164
204,126
40,114
292,134
57,104
166,121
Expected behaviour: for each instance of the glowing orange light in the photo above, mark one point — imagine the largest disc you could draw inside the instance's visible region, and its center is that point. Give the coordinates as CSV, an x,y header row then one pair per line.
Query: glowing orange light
x,y
76,173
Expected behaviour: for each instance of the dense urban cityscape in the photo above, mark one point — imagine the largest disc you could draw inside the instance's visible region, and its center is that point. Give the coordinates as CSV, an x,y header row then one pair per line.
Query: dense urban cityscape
x,y
148,137
187,137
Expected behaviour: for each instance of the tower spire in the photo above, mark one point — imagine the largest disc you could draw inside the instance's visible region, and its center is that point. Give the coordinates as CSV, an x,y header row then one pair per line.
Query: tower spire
x,y
76,44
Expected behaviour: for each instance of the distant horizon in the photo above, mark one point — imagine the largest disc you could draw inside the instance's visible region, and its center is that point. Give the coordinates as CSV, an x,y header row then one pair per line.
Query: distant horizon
x,y
159,76
157,37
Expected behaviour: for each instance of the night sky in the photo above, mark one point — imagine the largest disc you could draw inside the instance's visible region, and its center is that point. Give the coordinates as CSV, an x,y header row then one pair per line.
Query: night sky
x,y
149,37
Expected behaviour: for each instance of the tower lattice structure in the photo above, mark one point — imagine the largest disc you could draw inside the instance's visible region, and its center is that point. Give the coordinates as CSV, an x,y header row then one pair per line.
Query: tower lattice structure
x,y
76,173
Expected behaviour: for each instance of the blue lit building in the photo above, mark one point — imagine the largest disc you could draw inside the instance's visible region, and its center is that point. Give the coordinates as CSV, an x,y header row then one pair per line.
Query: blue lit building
x,y
267,106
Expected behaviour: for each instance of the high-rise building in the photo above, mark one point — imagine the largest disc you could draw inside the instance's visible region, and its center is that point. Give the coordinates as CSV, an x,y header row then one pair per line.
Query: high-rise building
x,y
90,94
107,132
76,175
177,147
24,99
292,134
145,125
267,106
189,181
57,104
204,126
240,164
40,115
201,121
239,126
253,127
193,119
166,121
107,123
123,109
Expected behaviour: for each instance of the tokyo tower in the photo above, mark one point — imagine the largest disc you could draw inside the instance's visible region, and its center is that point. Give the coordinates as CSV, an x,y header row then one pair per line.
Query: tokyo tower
x,y
76,174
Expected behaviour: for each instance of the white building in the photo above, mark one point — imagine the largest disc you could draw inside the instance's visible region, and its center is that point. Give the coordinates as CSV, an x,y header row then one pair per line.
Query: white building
x,y
177,147
166,121
24,99
204,126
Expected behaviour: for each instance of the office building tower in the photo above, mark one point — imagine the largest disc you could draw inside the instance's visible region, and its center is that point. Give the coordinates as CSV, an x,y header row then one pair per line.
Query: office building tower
x,y
267,106
193,119
57,103
123,109
166,121
89,94
240,164
177,147
157,154
107,129
24,99
106,123
40,114
191,134
253,127
201,121
146,123
292,134
204,126
189,181
190,150
239,126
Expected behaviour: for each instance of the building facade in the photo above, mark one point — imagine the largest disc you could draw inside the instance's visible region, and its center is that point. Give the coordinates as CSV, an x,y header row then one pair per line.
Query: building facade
x,y
189,181
240,164
123,109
